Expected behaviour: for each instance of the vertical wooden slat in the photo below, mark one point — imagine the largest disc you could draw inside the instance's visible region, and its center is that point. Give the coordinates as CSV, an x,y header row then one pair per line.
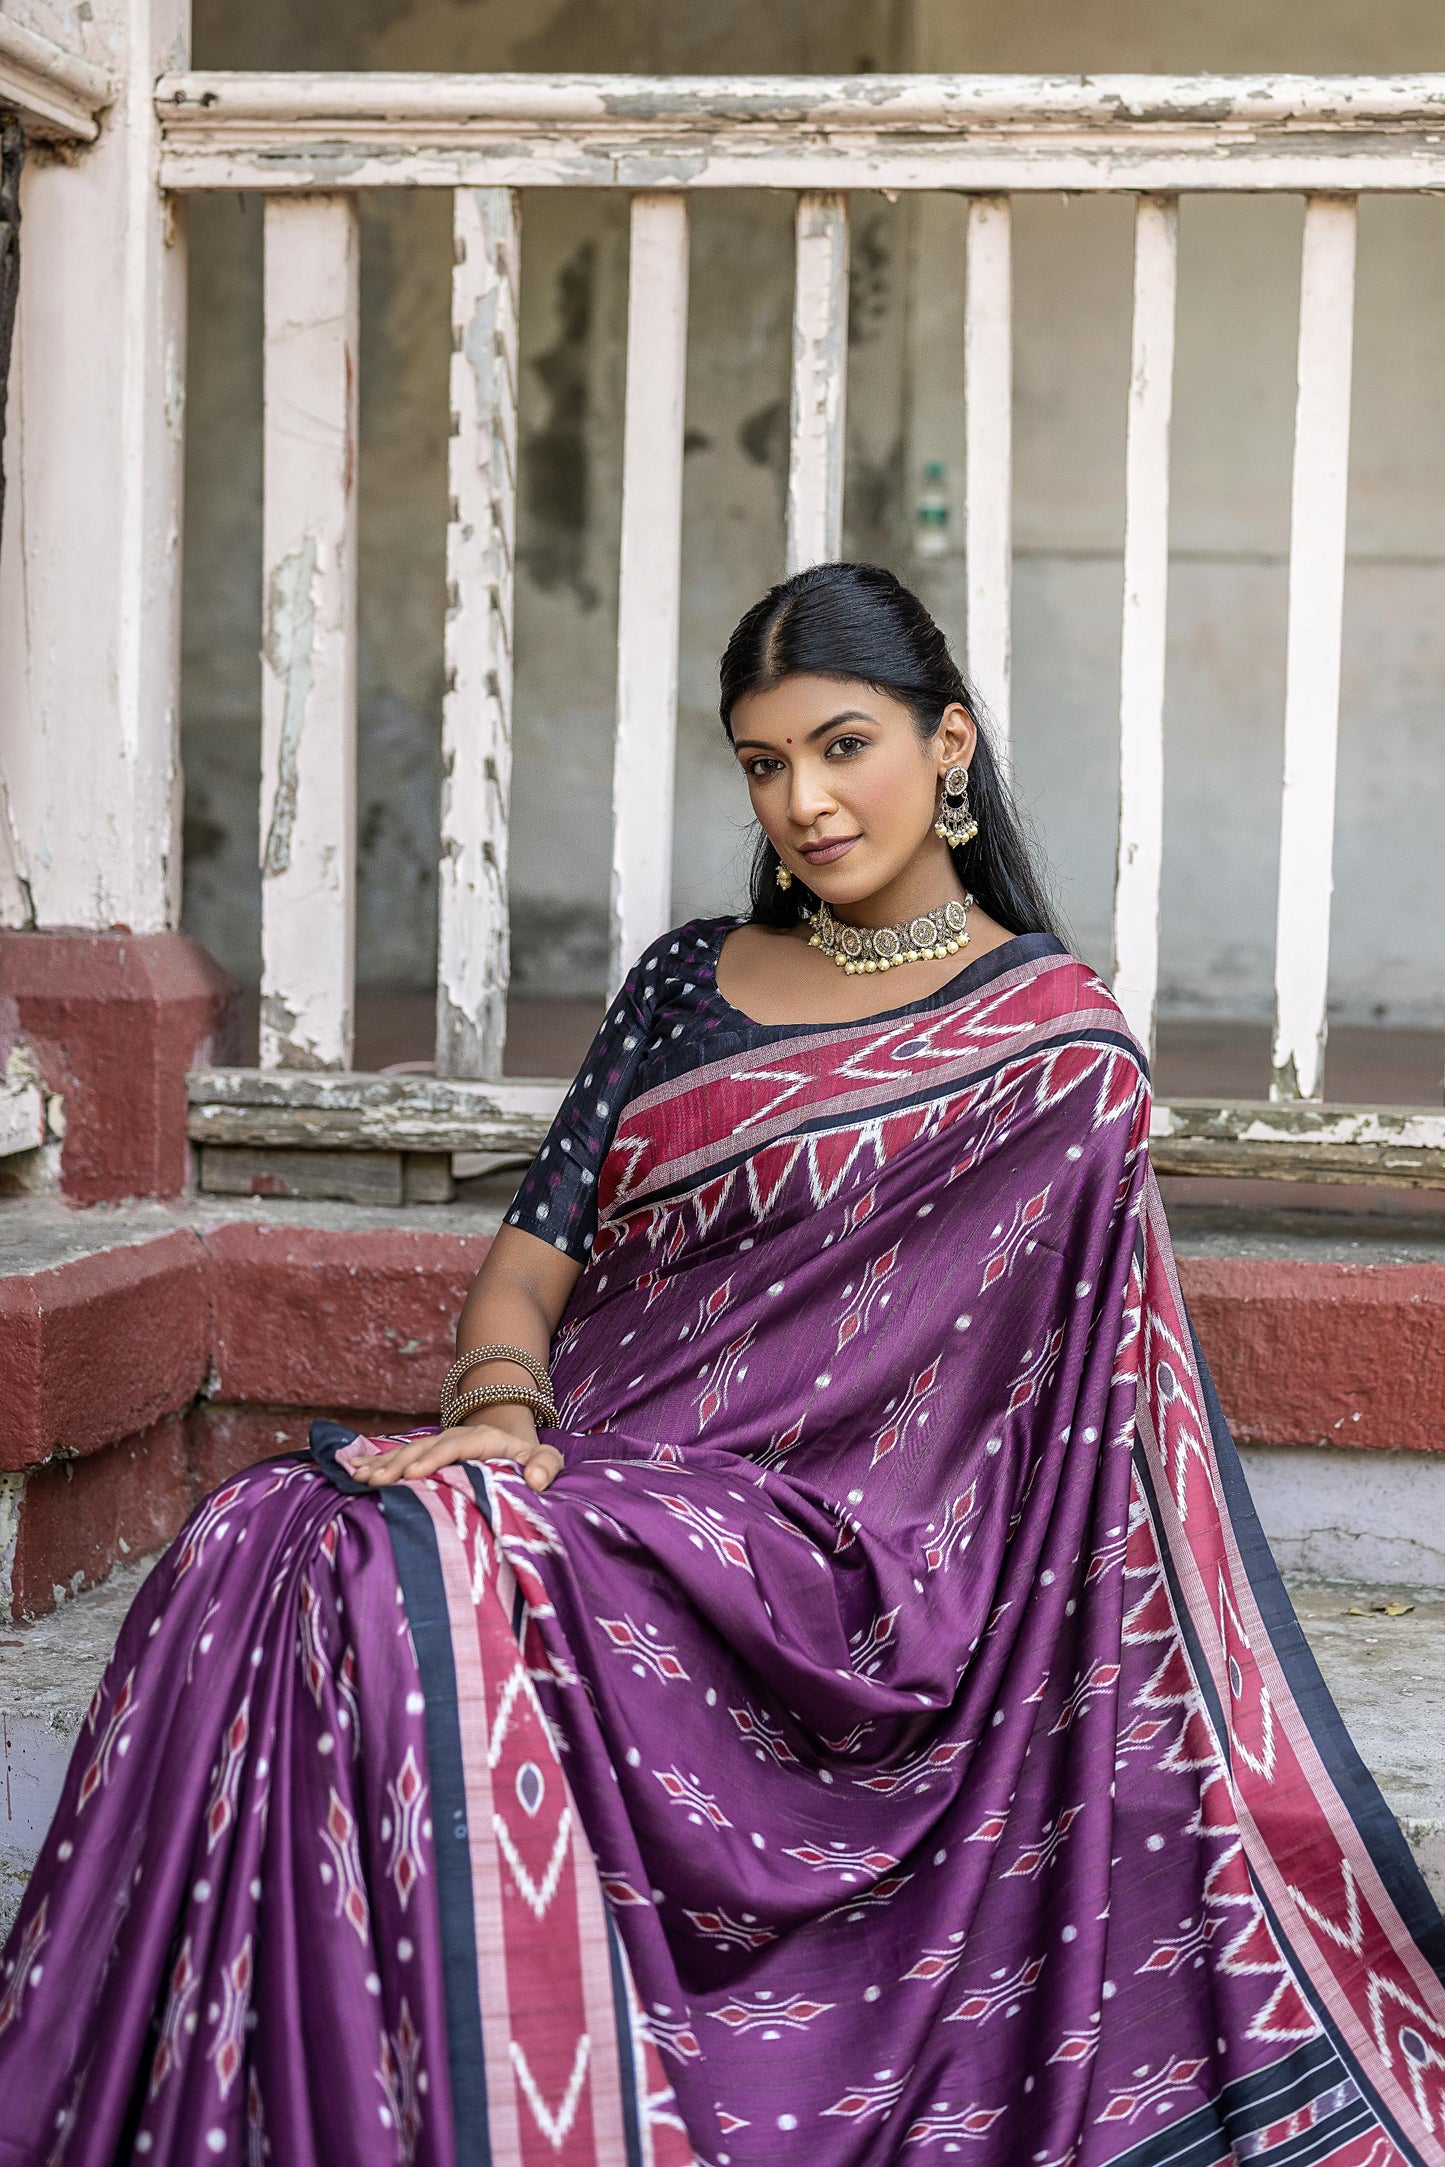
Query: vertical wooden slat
x,y
650,576
1312,668
1146,597
473,948
308,698
820,383
988,455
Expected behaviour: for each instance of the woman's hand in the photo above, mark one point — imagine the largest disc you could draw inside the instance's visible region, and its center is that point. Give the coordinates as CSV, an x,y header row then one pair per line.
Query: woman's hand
x,y
478,1440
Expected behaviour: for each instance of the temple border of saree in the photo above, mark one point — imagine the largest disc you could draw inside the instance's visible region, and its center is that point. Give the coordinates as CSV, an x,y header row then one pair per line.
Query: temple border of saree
x,y
310,142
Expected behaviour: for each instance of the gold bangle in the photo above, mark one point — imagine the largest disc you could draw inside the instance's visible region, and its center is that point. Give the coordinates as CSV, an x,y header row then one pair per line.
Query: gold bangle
x,y
500,1395
475,1355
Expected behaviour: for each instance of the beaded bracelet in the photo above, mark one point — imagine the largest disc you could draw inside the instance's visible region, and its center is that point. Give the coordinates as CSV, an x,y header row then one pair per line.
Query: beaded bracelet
x,y
474,1355
500,1395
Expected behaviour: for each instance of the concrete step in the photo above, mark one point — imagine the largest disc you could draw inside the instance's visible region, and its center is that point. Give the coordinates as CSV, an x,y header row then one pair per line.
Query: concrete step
x,y
1387,1675
48,1672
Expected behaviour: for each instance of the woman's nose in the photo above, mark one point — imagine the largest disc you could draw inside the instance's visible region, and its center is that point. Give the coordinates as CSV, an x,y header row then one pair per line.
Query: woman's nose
x,y
809,799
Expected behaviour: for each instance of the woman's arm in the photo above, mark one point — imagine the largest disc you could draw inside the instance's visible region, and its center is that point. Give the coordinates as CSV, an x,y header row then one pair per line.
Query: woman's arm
x,y
516,1300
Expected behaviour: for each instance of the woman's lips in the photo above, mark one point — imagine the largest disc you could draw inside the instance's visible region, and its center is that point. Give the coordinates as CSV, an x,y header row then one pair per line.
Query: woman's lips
x,y
826,853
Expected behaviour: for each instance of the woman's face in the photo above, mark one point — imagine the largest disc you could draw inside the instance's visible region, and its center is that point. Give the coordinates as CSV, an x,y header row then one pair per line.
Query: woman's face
x,y
843,786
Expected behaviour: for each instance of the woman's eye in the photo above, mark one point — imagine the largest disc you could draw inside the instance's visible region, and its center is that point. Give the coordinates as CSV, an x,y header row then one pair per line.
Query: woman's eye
x,y
846,747
759,770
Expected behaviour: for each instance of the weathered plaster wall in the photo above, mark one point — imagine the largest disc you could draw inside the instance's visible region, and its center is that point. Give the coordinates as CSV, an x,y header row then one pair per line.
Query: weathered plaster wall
x,y
1234,400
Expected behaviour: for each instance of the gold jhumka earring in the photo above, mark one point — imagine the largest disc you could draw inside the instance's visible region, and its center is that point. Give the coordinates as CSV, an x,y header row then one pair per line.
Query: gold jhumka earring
x,y
955,824
783,877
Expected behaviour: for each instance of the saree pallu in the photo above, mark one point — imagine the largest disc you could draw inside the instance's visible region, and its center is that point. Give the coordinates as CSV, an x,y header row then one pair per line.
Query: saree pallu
x,y
954,1774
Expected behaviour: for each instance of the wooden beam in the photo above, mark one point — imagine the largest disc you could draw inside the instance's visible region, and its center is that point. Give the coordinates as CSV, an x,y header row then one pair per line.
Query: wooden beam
x,y
58,95
348,1177
1312,665
1255,1138
473,962
263,1109
1269,1140
1146,598
819,389
650,579
988,459
308,687
990,134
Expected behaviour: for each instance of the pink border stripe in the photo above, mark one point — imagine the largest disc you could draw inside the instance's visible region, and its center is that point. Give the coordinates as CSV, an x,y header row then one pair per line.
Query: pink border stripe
x,y
605,2073
505,2131
955,1070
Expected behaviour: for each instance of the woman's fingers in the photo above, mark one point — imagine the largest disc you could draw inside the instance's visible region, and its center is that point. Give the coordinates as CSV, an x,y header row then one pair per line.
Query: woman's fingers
x,y
424,1456
386,1467
427,1455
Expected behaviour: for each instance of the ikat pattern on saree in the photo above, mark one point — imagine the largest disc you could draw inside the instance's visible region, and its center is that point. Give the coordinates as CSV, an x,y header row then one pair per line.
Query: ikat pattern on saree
x,y
884,1742
232,1946
948,1791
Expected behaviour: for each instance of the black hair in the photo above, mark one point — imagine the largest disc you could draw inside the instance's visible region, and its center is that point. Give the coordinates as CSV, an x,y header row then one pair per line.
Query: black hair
x,y
857,622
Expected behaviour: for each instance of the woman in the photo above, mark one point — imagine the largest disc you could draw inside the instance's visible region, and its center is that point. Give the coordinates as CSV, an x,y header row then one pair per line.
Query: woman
x,y
892,1616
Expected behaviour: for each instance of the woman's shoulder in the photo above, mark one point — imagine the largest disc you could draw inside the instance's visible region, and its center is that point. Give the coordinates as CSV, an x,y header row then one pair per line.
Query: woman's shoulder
x,y
682,953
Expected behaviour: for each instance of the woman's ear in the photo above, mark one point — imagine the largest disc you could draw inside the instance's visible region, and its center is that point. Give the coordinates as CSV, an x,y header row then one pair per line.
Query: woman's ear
x,y
957,736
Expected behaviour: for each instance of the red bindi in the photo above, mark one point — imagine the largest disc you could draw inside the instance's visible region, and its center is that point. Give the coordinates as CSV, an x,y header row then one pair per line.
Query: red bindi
x,y
787,741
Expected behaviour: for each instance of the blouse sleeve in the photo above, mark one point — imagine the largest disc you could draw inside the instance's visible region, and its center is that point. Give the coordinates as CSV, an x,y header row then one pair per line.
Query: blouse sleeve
x,y
558,1198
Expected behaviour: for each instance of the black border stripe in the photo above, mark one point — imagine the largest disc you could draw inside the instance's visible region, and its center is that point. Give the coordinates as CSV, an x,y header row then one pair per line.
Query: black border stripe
x,y
626,2042
418,1570
1247,2105
1205,1684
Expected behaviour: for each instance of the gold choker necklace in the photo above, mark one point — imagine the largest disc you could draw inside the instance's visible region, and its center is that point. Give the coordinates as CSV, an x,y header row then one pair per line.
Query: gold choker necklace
x,y
923,939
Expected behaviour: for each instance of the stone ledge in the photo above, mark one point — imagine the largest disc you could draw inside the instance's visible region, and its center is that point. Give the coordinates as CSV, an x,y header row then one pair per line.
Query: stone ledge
x,y
113,1321
1324,1352
306,1316
97,1348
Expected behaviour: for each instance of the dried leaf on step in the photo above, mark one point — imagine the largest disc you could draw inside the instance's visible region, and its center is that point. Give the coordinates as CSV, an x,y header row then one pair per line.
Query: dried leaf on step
x,y
1396,1610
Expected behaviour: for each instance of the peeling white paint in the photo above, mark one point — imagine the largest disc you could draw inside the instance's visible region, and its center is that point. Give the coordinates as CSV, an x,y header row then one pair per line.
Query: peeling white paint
x,y
89,570
819,392
22,1117
12,1489
289,646
57,93
1312,667
984,133
473,948
650,581
988,452
1146,599
308,695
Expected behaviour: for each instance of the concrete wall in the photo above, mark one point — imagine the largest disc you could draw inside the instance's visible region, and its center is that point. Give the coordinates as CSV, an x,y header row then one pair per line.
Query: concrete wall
x,y
1234,402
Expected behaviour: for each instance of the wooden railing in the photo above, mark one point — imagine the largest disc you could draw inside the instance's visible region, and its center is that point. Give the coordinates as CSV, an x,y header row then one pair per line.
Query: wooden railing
x,y
311,142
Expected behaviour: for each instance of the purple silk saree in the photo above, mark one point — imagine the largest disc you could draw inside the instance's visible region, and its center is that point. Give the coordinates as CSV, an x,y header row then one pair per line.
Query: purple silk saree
x,y
950,1763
